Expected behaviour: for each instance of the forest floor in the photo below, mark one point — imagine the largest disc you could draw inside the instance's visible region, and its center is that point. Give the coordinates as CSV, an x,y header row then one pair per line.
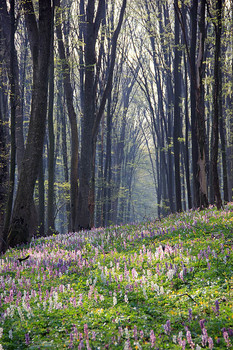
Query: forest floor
x,y
158,285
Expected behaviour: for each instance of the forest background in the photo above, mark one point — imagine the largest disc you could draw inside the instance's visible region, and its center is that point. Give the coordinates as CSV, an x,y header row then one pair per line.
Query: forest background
x,y
112,112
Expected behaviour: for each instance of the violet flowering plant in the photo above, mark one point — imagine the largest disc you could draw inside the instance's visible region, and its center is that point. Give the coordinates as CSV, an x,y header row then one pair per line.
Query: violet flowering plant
x,y
154,285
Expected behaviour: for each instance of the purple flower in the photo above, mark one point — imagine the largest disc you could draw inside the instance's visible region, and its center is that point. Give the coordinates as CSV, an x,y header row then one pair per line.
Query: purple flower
x,y
226,338
152,338
211,343
27,339
190,315
135,333
167,327
202,323
204,337
217,307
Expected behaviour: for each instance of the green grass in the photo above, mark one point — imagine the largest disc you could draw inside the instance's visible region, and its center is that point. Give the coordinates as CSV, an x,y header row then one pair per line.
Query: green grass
x,y
152,285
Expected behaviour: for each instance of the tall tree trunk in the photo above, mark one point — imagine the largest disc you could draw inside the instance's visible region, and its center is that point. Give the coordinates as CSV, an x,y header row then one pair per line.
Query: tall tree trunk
x,y
196,185
92,117
51,154
73,121
3,173
5,27
13,109
39,35
216,95
177,114
200,120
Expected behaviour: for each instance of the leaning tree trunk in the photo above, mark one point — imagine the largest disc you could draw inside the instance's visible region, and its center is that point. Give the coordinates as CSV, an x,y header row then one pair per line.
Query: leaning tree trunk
x,y
39,33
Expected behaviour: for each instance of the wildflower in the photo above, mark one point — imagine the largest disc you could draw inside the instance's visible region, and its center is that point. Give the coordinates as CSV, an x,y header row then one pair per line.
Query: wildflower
x,y
217,307
211,343
114,299
27,339
189,339
226,338
71,341
167,327
204,337
152,338
190,315
86,331
126,299
135,333
11,334
1,332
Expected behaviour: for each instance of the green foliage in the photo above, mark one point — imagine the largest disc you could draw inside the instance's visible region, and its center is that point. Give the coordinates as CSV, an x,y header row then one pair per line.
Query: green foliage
x,y
116,287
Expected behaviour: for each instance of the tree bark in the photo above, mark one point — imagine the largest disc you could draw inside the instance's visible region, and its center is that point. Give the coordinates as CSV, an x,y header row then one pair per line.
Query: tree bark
x,y
73,121
92,117
200,120
216,104
39,36
177,114
51,154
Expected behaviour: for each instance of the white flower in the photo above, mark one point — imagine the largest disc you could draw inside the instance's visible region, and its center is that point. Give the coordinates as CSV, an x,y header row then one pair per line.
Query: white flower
x,y
10,334
1,332
114,299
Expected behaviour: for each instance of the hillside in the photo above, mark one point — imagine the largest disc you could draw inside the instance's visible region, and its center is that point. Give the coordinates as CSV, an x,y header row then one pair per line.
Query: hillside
x,y
159,285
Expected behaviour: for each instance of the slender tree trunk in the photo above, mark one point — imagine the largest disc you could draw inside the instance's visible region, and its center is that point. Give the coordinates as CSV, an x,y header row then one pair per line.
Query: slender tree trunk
x,y
201,134
13,110
39,35
51,154
216,95
3,174
177,114
196,185
92,117
73,121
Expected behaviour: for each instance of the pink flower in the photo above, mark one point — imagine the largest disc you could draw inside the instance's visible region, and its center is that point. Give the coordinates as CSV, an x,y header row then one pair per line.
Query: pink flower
x,y
211,343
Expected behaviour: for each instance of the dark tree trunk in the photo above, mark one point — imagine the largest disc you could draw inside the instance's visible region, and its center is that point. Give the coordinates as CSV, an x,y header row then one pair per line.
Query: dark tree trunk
x,y
200,120
177,114
5,27
3,173
92,117
11,184
216,104
51,154
73,122
196,185
39,35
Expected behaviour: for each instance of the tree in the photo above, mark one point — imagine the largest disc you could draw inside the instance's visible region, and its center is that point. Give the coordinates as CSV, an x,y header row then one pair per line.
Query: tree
x,y
72,118
177,115
216,104
39,32
92,115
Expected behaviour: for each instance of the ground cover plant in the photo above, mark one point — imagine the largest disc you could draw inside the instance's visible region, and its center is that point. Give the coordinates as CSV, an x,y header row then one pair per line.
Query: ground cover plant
x,y
158,285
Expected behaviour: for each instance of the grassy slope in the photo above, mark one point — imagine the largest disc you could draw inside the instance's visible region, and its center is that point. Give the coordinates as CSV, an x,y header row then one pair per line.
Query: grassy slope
x,y
152,285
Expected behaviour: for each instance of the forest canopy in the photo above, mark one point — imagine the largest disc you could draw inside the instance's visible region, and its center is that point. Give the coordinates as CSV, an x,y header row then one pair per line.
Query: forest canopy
x,y
112,111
